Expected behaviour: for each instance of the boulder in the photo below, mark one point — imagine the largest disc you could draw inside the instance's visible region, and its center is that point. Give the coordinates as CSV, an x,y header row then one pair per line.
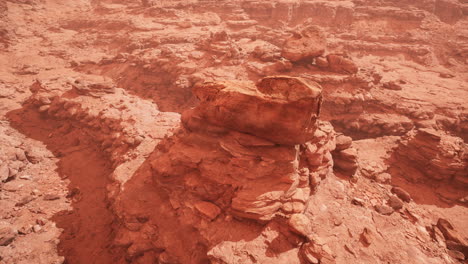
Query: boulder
x,y
309,43
340,64
281,109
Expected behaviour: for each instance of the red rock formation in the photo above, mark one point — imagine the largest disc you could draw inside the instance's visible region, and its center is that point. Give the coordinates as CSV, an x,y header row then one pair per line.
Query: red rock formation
x,y
230,160
427,155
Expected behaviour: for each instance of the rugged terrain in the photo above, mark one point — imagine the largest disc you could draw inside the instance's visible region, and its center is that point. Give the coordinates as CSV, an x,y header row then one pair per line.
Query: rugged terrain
x,y
246,131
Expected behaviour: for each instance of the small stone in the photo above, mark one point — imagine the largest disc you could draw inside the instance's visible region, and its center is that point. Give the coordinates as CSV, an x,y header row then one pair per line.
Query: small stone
x,y
357,201
37,228
402,194
309,253
343,142
448,231
51,197
25,177
383,209
44,108
383,178
392,86
41,221
300,224
321,62
4,172
7,235
366,237
20,155
349,249
452,245
395,202
25,200
208,209
456,254
446,75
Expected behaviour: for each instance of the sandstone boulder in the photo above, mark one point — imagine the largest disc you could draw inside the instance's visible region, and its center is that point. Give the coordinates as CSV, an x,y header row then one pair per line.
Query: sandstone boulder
x,y
340,64
310,42
279,108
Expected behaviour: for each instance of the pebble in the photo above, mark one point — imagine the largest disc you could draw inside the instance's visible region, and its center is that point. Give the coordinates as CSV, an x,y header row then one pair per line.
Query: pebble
x,y
357,201
37,228
208,209
402,194
300,224
383,209
366,237
25,200
4,172
51,197
383,178
25,177
7,235
395,202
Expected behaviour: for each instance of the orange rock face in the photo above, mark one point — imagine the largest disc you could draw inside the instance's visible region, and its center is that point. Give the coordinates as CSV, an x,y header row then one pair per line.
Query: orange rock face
x,y
281,109
241,131
244,141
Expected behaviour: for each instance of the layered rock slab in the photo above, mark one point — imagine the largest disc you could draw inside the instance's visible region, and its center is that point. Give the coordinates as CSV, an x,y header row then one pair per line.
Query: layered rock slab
x,y
280,109
247,152
240,147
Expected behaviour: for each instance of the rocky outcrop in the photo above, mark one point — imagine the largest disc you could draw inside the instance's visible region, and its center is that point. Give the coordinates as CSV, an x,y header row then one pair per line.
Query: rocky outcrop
x,y
246,152
244,143
427,155
88,106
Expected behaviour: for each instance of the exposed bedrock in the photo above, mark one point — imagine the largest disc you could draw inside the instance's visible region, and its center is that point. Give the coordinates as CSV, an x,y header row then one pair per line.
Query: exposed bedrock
x,y
258,148
428,156
246,152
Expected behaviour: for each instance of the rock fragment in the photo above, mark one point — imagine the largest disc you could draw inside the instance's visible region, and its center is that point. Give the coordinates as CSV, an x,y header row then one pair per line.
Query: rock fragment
x,y
395,202
383,209
310,42
208,209
300,224
7,235
402,194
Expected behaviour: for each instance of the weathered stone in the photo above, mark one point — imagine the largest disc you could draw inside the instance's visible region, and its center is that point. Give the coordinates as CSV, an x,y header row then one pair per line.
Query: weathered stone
x,y
308,43
456,254
343,142
395,203
51,197
339,64
366,237
279,108
383,178
300,224
7,235
4,172
449,233
208,209
383,209
357,201
25,200
402,194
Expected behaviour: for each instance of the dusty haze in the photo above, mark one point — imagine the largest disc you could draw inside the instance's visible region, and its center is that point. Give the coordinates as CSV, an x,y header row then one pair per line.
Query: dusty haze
x,y
233,132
